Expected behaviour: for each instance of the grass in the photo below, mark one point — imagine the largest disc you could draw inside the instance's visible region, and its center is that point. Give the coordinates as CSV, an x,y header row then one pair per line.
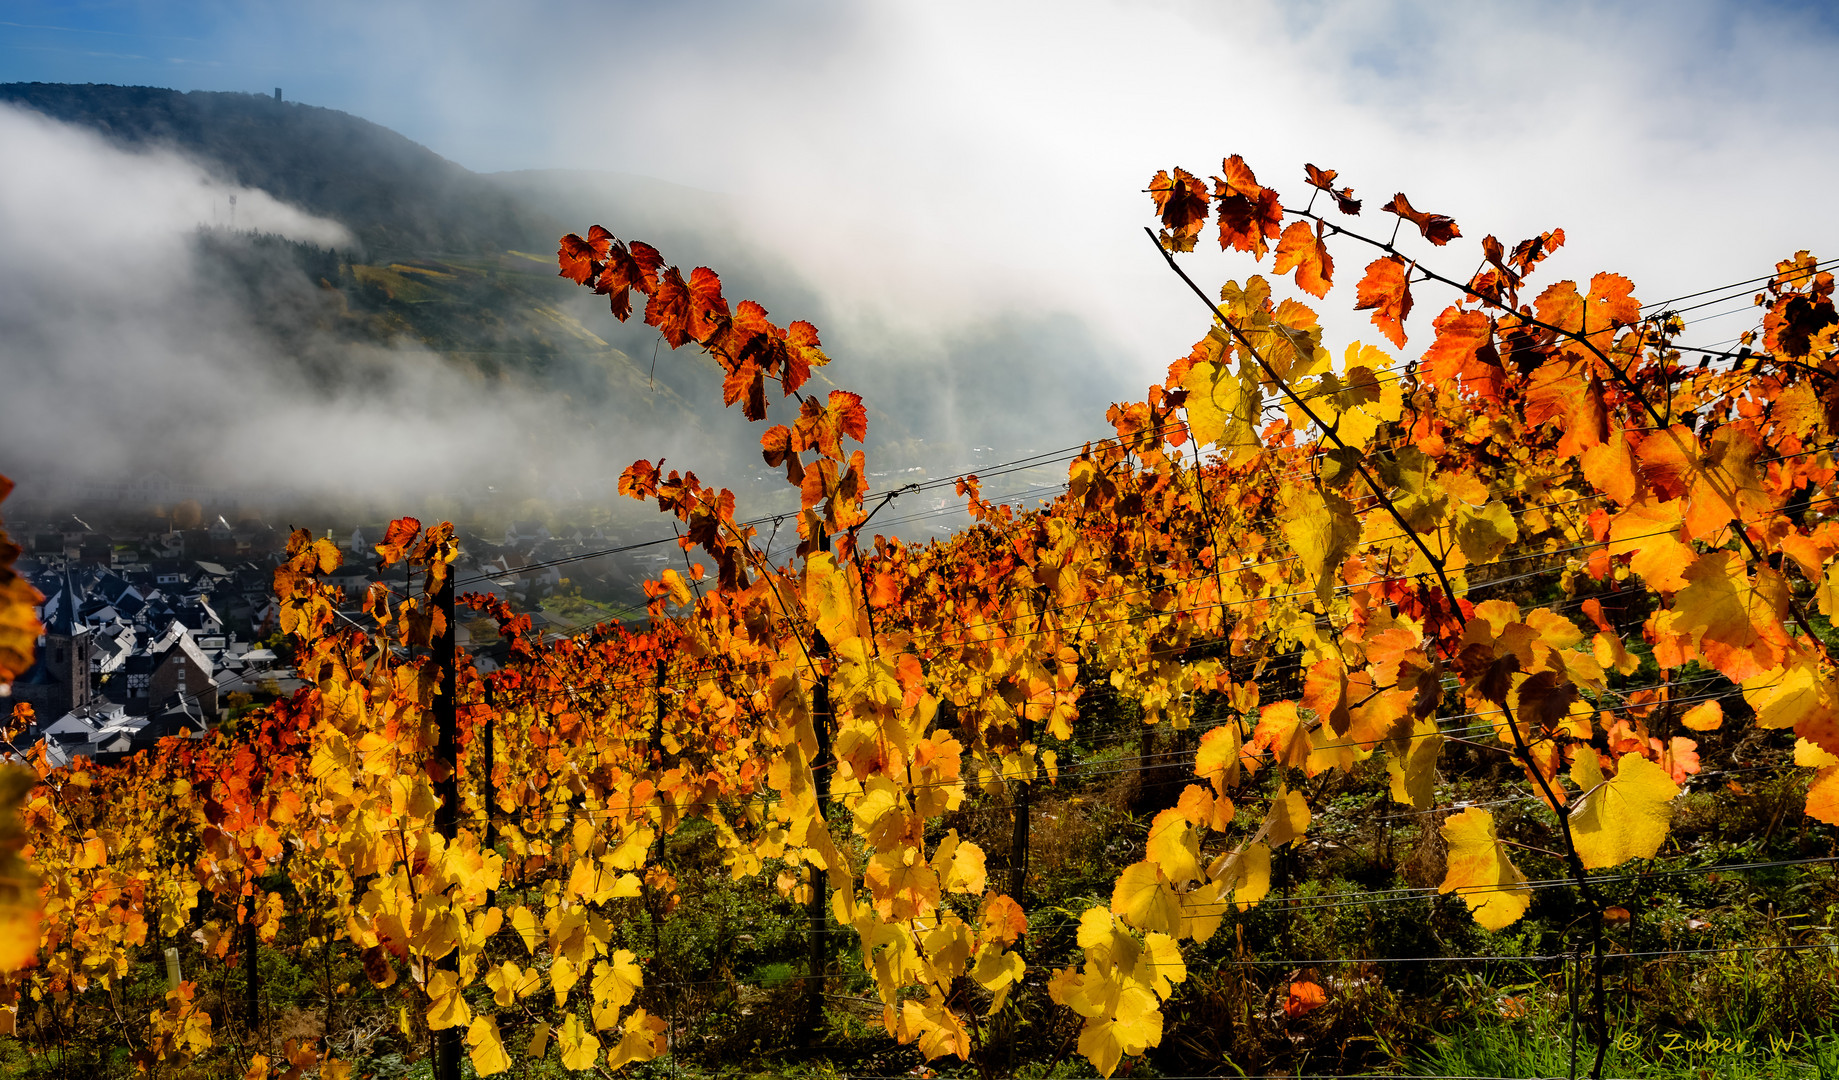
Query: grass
x,y
1542,1047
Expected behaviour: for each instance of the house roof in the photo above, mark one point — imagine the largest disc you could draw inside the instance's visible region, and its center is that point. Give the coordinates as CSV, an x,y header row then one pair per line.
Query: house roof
x,y
62,613
184,643
111,587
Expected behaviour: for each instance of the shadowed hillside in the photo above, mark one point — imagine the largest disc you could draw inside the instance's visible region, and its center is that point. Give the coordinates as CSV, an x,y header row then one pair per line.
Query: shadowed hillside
x,y
393,194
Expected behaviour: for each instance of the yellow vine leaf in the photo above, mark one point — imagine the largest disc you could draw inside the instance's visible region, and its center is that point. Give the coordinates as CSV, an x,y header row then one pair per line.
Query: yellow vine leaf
x,y
1812,755
1413,765
902,890
1223,407
448,1007
828,601
1136,1027
949,946
1799,696
1217,760
1736,619
997,970
508,983
1288,818
1174,847
1705,716
1329,751
1491,885
579,1049
487,1047
960,865
562,979
641,1040
524,923
615,983
1161,965
932,1026
634,844
1143,898
1246,873
1201,913
1623,818
1321,528
1484,532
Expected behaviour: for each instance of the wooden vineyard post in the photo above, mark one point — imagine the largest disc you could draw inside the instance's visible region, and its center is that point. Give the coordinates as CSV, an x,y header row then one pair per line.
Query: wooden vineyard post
x,y
447,788
654,902
252,974
490,800
819,902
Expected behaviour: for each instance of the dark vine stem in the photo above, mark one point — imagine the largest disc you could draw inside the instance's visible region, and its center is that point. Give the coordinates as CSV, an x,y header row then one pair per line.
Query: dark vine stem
x,y
1522,751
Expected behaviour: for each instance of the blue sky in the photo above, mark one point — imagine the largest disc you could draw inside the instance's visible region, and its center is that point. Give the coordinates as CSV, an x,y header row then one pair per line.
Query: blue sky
x,y
925,162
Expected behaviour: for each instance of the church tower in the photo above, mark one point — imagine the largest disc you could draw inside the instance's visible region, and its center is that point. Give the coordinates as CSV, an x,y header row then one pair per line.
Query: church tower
x,y
59,681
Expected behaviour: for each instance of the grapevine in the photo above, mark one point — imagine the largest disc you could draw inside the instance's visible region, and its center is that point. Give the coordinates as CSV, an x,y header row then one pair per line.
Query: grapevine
x,y
1343,518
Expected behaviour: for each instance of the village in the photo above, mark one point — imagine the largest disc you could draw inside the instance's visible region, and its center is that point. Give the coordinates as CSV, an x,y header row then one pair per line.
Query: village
x,y
157,632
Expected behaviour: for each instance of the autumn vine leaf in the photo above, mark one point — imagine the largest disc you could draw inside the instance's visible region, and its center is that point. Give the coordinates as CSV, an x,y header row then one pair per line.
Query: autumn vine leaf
x,y
1250,214
19,900
1623,817
19,625
581,259
1324,180
1301,249
1181,201
1478,867
1436,228
1386,291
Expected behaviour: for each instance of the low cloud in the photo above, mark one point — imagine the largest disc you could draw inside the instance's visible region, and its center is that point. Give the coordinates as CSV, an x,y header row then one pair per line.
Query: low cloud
x,y
141,342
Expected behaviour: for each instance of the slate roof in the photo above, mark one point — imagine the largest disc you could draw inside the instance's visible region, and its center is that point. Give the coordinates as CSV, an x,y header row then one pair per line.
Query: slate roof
x,y
63,613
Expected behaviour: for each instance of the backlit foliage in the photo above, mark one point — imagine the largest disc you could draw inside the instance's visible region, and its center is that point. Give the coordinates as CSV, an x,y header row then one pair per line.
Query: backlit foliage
x,y
1349,510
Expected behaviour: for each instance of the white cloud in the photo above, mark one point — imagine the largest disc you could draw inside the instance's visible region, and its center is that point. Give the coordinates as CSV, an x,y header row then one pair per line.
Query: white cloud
x,y
930,164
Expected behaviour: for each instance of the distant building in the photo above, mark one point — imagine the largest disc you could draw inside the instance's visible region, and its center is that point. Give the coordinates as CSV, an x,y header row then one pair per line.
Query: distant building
x,y
525,534
59,682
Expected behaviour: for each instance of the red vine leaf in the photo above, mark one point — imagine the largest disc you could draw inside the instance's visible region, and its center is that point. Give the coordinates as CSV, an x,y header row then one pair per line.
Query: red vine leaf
x,y
1324,180
1250,214
1437,228
1181,201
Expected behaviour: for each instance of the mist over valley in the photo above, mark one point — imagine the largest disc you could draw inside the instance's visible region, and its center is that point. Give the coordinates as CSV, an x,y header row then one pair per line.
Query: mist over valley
x,y
287,311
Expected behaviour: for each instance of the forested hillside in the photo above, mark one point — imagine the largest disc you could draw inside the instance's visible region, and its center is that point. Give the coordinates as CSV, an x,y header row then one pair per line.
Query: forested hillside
x,y
397,197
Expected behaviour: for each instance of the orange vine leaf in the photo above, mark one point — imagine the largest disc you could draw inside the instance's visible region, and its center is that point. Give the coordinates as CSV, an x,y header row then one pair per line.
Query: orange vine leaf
x,y
1386,290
